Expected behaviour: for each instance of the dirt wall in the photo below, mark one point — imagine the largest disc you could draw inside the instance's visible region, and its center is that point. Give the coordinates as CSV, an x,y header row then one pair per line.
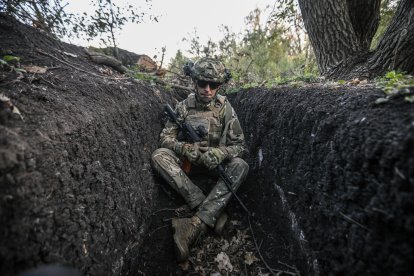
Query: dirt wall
x,y
75,180
346,166
76,184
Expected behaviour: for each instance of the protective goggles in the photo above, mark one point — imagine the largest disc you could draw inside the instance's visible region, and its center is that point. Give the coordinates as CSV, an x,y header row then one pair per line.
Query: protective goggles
x,y
203,84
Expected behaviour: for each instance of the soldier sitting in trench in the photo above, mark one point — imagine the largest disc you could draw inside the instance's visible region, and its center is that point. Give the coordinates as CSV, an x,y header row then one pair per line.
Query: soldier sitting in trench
x,y
223,143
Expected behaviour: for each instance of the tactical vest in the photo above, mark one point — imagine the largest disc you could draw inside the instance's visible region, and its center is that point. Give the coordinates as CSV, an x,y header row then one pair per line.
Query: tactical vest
x,y
213,118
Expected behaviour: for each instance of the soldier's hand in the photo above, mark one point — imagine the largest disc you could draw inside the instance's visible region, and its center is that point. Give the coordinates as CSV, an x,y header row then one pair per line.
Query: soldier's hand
x,y
192,152
212,158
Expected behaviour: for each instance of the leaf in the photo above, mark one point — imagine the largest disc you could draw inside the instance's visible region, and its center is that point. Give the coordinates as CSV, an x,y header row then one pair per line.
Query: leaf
x,y
20,70
2,62
341,82
409,99
381,100
11,58
390,75
223,262
249,258
8,104
354,81
35,69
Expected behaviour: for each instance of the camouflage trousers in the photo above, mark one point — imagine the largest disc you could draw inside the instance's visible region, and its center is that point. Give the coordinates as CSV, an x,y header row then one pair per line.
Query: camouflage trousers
x,y
168,165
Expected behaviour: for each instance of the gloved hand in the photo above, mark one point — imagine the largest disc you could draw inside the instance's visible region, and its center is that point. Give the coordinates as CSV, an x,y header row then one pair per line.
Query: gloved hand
x,y
212,158
192,151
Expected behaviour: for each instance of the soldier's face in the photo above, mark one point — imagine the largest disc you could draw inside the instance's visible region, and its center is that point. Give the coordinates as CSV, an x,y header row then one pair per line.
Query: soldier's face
x,y
207,90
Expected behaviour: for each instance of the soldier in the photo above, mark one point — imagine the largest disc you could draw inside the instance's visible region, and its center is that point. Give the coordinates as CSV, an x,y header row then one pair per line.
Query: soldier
x,y
223,143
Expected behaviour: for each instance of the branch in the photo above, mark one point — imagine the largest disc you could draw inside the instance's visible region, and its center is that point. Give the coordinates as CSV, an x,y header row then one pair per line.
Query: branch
x,y
76,68
107,60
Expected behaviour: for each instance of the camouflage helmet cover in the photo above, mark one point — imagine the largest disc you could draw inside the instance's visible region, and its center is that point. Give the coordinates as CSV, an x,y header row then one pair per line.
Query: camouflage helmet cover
x,y
210,69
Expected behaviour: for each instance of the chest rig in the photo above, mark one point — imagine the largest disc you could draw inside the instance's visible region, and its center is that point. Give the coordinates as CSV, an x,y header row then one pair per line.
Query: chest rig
x,y
211,117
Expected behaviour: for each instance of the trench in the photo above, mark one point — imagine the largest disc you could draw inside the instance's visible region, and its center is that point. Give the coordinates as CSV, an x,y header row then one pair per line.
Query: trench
x,y
321,166
331,179
330,183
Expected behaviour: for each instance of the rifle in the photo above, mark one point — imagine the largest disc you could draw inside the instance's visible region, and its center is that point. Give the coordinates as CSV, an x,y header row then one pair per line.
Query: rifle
x,y
194,136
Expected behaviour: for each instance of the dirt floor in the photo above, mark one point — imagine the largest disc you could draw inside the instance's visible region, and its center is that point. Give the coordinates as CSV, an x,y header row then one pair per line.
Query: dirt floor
x,y
331,180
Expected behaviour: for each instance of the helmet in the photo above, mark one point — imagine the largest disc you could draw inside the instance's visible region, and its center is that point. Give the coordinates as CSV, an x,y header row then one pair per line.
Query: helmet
x,y
208,69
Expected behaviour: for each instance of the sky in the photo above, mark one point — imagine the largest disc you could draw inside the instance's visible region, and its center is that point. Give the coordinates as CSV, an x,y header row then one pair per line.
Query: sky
x,y
177,19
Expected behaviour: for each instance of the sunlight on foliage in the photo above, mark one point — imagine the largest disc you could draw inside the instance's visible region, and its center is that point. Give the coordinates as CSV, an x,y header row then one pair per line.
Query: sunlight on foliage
x,y
136,73
388,8
268,53
12,63
396,84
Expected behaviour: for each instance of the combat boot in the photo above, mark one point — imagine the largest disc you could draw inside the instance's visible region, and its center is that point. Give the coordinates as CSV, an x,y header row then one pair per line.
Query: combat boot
x,y
220,223
186,231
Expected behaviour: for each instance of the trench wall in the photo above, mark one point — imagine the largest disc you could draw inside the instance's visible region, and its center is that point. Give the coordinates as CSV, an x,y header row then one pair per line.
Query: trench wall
x,y
75,181
346,167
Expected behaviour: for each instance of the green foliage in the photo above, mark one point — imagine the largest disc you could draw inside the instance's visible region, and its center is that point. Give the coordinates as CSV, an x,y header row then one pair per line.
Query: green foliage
x,y
11,59
12,63
134,72
395,84
387,11
263,52
275,52
177,63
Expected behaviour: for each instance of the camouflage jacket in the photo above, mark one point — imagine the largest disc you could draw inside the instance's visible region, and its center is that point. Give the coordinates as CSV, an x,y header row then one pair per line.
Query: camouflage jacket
x,y
217,117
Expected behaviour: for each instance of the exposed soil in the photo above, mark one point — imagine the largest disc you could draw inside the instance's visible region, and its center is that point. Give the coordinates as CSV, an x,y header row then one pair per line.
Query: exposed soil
x,y
346,166
331,180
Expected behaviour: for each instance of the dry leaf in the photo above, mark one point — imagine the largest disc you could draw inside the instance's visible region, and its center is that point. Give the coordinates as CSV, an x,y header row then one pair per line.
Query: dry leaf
x,y
223,262
354,81
35,69
8,104
249,258
225,246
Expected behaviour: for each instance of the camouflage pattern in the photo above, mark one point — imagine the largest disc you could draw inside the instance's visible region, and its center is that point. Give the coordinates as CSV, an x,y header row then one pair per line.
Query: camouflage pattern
x,y
212,117
209,69
168,165
228,136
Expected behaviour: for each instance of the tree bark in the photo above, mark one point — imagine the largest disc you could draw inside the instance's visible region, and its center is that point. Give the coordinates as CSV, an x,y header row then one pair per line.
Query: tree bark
x,y
365,17
341,32
330,32
395,50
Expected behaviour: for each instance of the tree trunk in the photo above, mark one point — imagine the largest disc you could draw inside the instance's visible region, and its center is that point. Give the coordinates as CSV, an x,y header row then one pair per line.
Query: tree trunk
x,y
330,32
395,50
365,17
341,32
